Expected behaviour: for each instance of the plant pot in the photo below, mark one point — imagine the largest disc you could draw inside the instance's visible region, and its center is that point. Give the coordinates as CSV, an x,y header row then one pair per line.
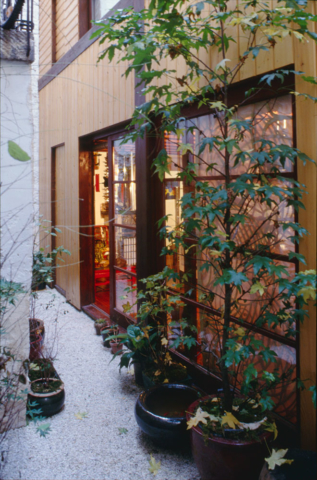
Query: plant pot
x,y
37,327
222,458
138,371
99,327
149,382
46,369
116,347
49,403
106,334
36,345
161,413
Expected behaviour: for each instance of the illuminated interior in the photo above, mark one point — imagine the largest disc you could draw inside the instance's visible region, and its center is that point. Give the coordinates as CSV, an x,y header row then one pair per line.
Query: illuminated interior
x,y
101,229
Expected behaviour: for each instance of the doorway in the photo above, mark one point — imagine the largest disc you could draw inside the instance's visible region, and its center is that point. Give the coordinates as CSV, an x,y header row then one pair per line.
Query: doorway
x,y
114,228
101,244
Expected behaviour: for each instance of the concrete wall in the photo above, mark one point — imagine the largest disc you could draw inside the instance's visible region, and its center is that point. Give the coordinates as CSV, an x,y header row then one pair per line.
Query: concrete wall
x,y
19,123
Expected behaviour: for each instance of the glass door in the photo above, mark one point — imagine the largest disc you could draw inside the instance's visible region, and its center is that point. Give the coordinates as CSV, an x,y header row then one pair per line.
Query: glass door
x,y
123,227
101,241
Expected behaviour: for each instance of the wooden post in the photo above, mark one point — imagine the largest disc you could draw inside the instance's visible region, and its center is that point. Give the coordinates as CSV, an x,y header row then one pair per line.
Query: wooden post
x,y
306,136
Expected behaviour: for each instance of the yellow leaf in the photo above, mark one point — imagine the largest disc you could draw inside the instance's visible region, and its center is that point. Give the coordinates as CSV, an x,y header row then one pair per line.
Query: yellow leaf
x,y
164,341
184,148
81,415
257,287
222,64
215,253
253,425
230,420
308,292
166,380
154,465
272,428
240,332
200,416
277,458
157,373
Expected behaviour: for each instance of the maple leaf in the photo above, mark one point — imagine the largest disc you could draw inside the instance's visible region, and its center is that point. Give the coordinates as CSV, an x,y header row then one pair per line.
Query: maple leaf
x,y
277,458
257,287
81,415
308,292
200,416
253,425
272,428
164,341
154,465
230,420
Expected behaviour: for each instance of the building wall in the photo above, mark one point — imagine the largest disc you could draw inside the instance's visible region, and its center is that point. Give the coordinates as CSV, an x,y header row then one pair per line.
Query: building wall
x,y
89,97
18,123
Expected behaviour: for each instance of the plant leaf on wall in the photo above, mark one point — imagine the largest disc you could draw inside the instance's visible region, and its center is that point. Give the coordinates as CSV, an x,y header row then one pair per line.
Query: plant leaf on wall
x,y
16,152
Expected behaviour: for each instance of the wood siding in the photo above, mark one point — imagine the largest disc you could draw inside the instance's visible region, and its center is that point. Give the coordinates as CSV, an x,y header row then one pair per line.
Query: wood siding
x,y
57,33
66,26
84,98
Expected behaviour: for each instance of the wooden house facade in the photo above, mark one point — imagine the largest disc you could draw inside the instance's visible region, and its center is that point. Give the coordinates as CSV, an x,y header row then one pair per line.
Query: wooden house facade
x,y
103,196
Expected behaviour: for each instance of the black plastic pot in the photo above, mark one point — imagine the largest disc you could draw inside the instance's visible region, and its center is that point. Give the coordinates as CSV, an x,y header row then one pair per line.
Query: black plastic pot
x,y
161,413
49,403
148,382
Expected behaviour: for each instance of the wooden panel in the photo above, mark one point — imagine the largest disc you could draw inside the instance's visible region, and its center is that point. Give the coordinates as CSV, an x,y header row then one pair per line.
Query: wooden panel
x,y
60,213
45,52
84,98
306,130
66,26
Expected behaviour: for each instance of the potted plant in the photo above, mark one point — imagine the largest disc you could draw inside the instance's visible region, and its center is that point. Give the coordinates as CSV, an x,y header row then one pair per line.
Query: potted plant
x,y
108,332
100,324
46,387
155,333
116,347
44,264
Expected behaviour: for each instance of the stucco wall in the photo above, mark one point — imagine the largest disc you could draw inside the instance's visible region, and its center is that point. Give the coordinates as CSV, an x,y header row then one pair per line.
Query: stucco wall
x,y
19,196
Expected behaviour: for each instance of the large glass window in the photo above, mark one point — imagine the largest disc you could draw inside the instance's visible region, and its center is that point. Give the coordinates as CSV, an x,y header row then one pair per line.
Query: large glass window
x,y
274,122
101,7
124,201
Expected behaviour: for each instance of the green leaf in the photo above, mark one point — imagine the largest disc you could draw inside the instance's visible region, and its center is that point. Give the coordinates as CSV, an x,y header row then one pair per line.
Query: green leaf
x,y
257,287
313,390
44,429
16,152
122,431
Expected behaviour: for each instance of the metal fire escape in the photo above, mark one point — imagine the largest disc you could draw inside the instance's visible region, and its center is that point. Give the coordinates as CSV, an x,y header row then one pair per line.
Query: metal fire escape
x,y
18,15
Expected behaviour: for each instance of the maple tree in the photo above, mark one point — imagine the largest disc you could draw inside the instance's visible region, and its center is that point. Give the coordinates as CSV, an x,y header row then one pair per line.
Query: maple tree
x,y
247,167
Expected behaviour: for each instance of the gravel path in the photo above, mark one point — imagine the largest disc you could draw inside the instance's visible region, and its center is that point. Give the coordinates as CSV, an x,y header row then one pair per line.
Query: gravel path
x,y
91,448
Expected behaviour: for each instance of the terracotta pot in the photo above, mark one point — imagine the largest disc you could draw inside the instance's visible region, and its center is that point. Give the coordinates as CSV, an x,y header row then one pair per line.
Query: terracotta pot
x,y
106,334
49,403
224,459
37,327
36,345
115,347
99,327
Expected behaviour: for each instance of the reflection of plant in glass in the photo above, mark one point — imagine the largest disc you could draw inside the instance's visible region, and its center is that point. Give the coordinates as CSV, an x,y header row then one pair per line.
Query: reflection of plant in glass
x,y
149,340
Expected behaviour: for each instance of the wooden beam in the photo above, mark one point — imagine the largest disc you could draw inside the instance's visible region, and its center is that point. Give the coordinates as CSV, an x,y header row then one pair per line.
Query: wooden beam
x,y
306,126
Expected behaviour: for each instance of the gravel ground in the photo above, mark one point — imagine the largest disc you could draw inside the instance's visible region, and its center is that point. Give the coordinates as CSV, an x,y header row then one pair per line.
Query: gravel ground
x,y
90,448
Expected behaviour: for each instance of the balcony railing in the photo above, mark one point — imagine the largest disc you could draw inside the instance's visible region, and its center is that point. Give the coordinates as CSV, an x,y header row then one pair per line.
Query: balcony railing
x,y
18,15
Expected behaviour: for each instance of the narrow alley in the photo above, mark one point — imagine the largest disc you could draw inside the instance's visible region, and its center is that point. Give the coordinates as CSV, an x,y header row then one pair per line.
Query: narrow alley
x,y
86,440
